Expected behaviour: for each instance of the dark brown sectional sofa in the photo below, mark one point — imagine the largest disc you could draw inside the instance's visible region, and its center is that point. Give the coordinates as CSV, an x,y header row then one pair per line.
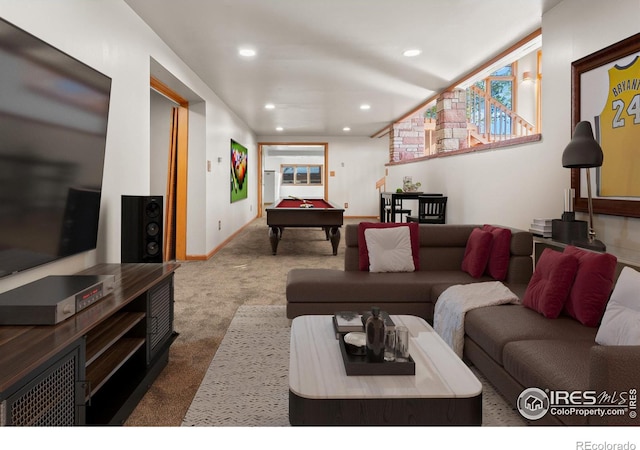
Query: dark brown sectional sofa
x,y
514,347
442,247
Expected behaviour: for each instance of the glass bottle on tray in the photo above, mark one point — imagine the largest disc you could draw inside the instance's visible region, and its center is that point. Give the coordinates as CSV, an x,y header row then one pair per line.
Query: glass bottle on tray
x,y
374,329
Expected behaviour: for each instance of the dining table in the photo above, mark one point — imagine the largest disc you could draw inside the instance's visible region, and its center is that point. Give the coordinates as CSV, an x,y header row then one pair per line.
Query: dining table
x,y
395,202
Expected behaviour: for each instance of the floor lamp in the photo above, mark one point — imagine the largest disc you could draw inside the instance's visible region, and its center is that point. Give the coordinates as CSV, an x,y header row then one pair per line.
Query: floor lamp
x,y
584,152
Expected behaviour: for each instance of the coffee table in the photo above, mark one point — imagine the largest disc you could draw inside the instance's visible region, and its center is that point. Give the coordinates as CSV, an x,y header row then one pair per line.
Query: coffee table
x,y
442,392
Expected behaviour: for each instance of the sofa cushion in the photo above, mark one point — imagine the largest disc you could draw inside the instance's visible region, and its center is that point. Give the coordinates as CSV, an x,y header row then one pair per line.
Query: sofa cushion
x,y
455,278
592,286
363,252
551,364
493,327
621,321
517,288
333,285
498,263
477,251
550,283
389,249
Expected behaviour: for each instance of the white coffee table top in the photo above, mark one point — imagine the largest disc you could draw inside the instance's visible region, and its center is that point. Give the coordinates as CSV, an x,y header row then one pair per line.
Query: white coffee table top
x,y
316,369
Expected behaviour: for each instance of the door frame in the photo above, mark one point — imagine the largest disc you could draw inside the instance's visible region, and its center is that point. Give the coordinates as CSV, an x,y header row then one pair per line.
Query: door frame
x,y
182,173
260,158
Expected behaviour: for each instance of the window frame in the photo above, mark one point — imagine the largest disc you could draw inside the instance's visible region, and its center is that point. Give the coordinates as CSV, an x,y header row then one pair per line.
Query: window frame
x,y
537,34
308,181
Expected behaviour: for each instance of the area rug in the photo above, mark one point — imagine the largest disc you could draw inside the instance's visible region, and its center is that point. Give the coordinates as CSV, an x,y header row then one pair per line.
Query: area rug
x,y
247,382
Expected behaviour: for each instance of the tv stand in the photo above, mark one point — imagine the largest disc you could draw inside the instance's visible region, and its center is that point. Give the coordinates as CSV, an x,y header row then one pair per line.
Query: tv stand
x,y
94,367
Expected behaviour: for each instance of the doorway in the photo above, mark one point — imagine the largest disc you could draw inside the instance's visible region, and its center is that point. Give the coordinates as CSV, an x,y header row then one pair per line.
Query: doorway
x,y
175,186
289,169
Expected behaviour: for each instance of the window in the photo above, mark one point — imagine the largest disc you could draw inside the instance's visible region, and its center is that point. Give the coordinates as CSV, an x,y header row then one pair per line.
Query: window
x,y
490,105
501,100
302,174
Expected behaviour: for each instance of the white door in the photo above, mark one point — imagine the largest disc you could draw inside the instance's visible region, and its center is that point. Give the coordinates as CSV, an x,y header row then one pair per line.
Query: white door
x,y
269,186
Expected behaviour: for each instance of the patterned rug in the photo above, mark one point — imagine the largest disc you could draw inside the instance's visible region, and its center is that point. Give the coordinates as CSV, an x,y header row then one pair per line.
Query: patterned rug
x,y
247,382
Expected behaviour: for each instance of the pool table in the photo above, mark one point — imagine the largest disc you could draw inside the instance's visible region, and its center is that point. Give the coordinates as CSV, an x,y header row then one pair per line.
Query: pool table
x,y
304,213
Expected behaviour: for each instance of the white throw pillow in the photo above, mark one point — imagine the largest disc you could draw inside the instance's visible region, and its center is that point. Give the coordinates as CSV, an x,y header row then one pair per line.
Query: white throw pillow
x,y
621,321
389,249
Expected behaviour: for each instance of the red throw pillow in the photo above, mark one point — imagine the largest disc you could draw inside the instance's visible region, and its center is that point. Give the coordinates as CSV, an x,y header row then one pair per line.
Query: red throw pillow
x,y
498,264
362,243
550,283
476,254
593,284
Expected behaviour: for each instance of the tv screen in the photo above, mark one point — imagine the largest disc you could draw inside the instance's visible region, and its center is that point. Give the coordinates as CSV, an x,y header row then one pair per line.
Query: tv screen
x,y
53,126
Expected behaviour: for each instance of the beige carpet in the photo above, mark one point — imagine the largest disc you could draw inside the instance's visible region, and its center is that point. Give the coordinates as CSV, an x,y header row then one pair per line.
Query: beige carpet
x,y
207,295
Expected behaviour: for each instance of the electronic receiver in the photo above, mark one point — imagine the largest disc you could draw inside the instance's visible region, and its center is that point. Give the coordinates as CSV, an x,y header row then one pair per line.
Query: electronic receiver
x,y
52,299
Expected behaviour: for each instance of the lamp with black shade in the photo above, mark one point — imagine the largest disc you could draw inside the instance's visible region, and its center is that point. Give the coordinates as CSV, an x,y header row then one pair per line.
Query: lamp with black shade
x,y
584,152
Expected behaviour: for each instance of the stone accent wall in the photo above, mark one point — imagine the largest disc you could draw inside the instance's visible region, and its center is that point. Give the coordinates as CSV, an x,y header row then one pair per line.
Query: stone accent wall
x,y
406,139
451,121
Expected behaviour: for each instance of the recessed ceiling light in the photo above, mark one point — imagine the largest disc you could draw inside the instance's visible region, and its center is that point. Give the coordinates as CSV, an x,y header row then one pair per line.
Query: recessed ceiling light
x,y
269,106
248,52
411,52
279,128
365,106
346,129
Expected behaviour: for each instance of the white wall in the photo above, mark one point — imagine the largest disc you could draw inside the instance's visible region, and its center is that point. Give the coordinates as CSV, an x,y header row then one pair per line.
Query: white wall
x,y
283,191
526,107
513,185
496,186
111,38
221,128
358,162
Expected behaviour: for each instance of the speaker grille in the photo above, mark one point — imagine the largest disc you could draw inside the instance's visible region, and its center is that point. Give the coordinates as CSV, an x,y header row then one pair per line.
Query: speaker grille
x,y
50,400
161,315
141,229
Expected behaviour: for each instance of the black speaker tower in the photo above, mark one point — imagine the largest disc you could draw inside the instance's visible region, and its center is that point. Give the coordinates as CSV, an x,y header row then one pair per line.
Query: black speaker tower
x,y
142,219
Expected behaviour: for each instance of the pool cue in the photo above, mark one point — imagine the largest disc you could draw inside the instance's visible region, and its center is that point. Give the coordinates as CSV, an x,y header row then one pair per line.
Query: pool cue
x,y
299,199
304,202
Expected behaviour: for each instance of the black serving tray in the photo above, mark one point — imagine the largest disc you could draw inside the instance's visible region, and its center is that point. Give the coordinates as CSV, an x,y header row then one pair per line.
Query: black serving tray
x,y
360,365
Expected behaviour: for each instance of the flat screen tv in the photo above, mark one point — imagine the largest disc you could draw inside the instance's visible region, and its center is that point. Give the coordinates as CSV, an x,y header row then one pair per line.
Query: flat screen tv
x,y
53,127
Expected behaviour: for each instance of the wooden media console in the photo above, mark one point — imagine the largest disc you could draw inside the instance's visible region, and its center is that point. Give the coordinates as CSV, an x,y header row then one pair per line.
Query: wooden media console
x,y
94,367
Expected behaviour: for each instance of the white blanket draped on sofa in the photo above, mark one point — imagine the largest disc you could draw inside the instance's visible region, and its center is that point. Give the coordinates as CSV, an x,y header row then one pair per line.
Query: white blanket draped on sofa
x,y
455,301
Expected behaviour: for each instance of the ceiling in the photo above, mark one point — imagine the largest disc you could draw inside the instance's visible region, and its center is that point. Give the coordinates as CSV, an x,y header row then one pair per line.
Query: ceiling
x,y
318,61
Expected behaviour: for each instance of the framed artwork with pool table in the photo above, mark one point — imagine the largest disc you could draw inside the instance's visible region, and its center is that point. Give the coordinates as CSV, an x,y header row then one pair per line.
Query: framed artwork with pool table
x,y
239,182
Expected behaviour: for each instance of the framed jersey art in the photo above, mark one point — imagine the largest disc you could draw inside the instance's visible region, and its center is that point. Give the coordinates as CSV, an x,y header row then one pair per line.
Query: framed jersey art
x,y
606,92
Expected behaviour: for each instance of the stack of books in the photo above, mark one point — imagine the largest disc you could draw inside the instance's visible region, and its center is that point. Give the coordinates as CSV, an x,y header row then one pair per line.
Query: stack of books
x,y
541,227
347,321
350,321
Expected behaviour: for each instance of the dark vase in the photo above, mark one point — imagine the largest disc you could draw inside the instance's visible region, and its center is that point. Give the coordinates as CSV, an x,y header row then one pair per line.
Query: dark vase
x,y
374,329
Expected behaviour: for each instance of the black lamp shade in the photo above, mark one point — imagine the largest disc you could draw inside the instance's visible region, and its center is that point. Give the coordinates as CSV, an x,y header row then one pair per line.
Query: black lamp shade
x,y
583,151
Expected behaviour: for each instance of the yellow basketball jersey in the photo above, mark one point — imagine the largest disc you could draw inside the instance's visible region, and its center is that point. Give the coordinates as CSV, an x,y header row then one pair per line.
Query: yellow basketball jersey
x,y
619,130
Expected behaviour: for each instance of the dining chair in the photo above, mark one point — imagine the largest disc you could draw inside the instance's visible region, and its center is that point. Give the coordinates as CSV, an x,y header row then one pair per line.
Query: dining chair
x,y
431,209
399,209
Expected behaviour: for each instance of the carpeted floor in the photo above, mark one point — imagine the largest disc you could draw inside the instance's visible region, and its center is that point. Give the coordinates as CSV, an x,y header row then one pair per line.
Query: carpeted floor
x,y
208,295
253,361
